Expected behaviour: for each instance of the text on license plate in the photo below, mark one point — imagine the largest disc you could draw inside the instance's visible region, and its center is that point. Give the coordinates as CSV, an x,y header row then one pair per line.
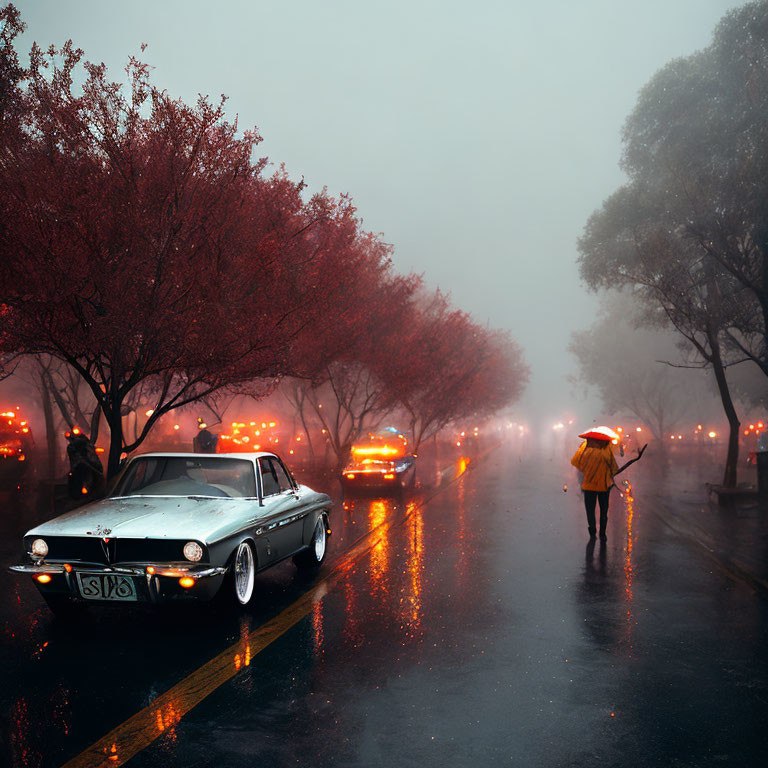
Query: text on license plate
x,y
106,586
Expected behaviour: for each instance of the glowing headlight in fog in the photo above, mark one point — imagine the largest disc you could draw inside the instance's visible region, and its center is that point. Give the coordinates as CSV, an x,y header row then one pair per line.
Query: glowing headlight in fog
x,y
193,551
39,547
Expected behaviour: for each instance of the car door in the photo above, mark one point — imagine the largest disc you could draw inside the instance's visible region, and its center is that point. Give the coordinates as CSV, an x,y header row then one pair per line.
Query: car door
x,y
280,509
289,488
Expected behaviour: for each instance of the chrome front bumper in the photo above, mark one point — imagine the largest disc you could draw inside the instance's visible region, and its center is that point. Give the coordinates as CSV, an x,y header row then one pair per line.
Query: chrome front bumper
x,y
154,582
175,570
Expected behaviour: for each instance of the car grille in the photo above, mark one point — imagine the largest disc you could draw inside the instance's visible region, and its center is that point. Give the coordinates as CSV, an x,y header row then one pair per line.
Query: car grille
x,y
89,549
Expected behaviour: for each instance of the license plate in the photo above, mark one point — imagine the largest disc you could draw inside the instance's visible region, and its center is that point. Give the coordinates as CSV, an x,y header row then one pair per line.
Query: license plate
x,y
106,586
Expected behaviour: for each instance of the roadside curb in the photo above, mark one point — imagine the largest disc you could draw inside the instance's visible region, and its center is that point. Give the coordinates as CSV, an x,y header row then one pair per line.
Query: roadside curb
x,y
730,567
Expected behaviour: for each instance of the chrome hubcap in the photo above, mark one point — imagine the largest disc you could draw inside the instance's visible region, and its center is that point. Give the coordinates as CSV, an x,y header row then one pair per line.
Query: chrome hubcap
x,y
319,541
244,573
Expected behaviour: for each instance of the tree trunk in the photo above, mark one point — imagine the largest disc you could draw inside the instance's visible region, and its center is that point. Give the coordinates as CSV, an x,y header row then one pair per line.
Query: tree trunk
x,y
732,459
65,414
306,432
50,428
95,421
342,457
762,294
115,424
659,432
417,436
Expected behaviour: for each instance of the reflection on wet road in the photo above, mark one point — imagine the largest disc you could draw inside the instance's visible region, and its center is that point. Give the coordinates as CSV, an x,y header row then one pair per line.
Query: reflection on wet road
x,y
630,517
465,625
177,640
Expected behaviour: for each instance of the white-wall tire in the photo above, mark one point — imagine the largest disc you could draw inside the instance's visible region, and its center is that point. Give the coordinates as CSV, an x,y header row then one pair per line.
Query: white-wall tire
x,y
312,557
244,573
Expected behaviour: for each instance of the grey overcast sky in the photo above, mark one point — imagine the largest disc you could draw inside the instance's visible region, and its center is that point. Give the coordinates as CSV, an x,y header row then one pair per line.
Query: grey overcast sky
x,y
477,137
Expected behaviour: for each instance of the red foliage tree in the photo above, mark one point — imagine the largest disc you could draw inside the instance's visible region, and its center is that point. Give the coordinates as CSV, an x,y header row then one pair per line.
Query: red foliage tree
x,y
139,242
141,245
349,390
451,368
418,354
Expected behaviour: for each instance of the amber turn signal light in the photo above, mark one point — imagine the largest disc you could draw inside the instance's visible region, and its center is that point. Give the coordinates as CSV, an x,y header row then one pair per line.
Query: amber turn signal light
x,y
187,582
43,578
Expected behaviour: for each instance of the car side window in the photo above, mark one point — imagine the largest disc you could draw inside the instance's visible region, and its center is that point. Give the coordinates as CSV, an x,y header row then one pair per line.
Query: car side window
x,y
282,477
269,481
291,476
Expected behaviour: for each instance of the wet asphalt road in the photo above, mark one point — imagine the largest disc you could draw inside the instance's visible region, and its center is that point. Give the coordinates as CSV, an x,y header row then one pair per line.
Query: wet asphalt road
x,y
474,628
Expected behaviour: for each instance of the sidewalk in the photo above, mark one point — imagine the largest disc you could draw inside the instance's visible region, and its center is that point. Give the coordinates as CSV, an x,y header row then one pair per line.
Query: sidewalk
x,y
735,538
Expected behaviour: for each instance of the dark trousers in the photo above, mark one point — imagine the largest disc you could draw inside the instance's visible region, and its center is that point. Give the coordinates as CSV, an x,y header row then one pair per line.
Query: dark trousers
x,y
590,499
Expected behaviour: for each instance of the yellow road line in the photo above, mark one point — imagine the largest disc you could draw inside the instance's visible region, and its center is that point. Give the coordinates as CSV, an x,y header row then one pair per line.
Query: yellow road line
x,y
164,712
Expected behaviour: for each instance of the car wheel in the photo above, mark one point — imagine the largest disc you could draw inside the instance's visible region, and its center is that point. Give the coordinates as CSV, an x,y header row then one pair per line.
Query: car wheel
x,y
243,573
62,605
313,556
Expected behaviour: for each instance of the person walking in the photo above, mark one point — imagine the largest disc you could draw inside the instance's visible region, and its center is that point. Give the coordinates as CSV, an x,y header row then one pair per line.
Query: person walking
x,y
205,441
595,460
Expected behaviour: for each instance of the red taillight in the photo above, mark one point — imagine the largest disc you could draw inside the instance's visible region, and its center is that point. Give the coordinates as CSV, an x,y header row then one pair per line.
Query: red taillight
x,y
389,476
351,476
68,568
84,490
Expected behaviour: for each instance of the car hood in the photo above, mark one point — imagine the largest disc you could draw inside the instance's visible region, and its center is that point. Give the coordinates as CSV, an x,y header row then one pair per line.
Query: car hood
x,y
158,517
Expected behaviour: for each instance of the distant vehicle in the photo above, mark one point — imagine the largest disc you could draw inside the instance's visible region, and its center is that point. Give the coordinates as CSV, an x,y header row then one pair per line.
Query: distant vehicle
x,y
179,527
16,445
381,461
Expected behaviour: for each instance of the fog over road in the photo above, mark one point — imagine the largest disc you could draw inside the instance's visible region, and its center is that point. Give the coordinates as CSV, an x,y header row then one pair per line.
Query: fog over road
x,y
478,140
476,627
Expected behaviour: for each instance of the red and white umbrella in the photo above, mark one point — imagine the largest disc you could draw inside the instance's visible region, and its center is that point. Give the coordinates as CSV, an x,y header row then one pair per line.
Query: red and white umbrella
x,y
601,433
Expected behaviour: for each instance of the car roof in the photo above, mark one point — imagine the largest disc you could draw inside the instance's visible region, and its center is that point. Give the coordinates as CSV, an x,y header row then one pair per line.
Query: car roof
x,y
251,456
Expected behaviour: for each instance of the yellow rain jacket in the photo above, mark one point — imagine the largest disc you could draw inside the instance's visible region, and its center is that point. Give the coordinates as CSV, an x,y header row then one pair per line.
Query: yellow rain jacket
x,y
598,466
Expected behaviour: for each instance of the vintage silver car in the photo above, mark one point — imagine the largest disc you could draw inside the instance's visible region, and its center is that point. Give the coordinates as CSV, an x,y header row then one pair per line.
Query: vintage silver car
x,y
179,526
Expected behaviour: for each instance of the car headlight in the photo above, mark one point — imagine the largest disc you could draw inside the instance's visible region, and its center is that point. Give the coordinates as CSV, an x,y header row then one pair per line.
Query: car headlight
x,y
193,551
39,547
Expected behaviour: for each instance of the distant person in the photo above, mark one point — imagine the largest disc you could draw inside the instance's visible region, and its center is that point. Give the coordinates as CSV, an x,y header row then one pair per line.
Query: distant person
x,y
206,441
86,472
595,460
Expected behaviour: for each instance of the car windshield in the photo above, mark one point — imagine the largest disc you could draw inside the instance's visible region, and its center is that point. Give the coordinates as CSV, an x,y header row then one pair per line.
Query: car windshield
x,y
188,476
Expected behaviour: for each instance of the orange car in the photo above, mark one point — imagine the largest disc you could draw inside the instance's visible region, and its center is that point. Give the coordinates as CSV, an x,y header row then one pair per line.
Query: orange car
x,y
382,460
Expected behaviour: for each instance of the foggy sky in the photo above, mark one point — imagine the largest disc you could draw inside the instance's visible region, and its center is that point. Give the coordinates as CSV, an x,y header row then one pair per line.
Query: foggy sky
x,y
476,137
